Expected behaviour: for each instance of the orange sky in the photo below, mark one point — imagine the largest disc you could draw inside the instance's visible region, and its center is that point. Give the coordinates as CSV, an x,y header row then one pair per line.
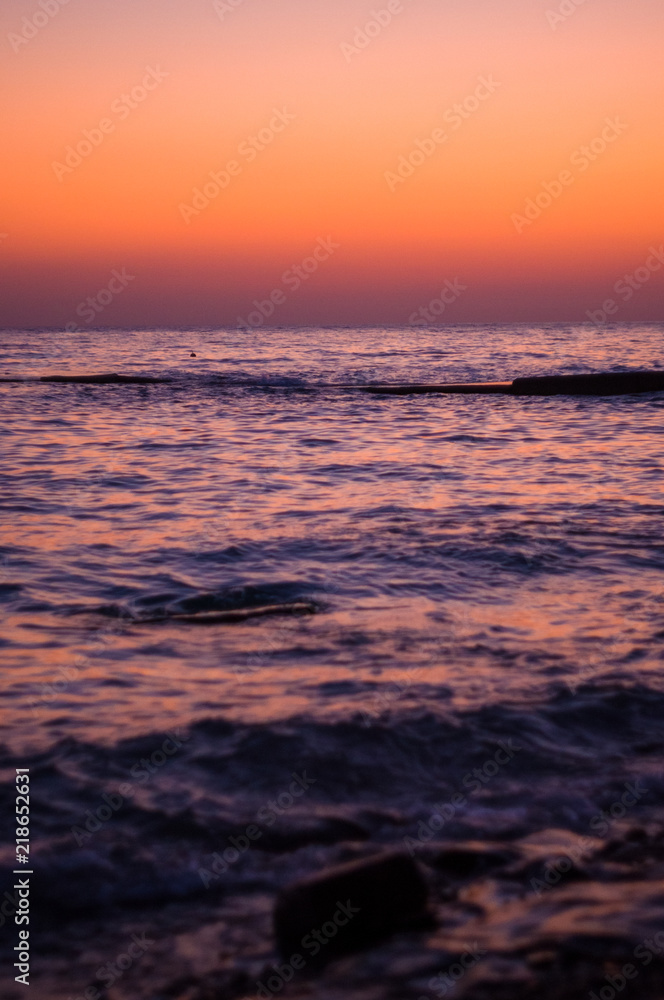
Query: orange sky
x,y
535,86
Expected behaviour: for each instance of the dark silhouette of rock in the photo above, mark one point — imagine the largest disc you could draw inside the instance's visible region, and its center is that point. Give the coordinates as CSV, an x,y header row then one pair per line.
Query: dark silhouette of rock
x,y
597,384
594,384
350,906
450,387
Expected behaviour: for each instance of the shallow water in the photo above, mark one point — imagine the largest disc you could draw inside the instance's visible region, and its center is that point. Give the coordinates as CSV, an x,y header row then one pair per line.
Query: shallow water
x,y
484,571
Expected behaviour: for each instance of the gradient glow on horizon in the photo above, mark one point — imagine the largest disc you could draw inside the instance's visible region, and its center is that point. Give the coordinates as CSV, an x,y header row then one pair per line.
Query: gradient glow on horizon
x,y
324,175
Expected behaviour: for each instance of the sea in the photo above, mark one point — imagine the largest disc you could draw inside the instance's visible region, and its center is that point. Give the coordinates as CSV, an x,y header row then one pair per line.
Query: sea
x,y
465,663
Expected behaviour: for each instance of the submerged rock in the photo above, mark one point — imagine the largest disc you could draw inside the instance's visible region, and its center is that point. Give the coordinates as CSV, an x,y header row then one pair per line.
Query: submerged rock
x,y
237,614
350,906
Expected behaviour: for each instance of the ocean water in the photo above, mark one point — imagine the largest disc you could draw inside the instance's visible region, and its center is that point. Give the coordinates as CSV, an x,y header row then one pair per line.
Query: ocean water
x,y
477,679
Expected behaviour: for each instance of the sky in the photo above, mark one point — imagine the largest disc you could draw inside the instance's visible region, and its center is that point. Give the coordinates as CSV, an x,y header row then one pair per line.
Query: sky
x,y
186,163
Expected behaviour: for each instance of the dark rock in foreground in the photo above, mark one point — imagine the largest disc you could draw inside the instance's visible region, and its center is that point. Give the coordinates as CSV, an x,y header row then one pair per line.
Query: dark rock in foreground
x,y
350,907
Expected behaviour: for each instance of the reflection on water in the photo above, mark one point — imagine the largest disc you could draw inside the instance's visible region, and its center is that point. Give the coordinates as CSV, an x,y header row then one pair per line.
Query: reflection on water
x,y
482,568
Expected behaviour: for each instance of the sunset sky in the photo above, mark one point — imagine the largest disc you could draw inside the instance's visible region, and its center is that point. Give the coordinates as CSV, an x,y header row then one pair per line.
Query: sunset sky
x,y
116,111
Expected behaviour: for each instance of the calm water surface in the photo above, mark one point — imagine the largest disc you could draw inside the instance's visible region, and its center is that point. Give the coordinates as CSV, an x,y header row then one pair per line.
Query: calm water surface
x,y
482,571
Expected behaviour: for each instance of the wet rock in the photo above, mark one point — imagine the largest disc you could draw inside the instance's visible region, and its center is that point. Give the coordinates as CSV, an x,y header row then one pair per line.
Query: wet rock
x,y
233,616
243,614
350,906
593,384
